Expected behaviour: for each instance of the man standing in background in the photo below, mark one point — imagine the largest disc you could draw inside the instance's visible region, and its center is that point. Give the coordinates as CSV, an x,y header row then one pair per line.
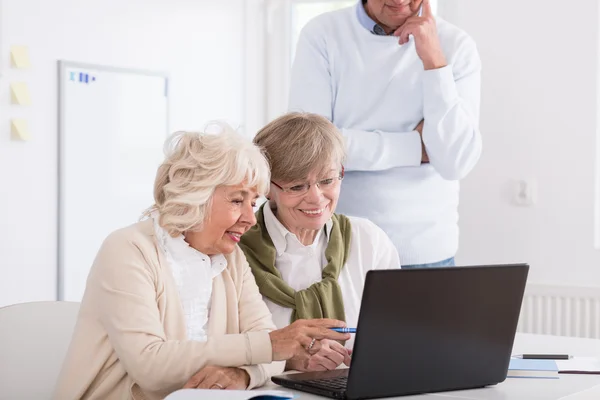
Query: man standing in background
x,y
404,89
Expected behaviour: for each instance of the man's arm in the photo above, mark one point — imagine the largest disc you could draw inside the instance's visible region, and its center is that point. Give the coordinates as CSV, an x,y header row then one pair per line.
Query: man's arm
x,y
311,91
451,112
448,138
451,97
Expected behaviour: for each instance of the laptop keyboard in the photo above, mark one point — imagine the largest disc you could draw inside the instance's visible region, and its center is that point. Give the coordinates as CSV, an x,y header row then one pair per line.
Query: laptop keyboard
x,y
335,384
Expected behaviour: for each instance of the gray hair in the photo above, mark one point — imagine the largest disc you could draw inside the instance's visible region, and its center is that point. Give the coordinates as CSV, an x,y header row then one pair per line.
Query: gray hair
x,y
298,143
195,165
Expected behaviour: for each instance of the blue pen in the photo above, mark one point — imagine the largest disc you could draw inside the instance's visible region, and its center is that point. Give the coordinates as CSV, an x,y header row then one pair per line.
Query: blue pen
x,y
344,330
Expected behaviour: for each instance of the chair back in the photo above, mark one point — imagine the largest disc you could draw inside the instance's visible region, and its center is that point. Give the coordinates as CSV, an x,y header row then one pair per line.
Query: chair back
x,y
34,338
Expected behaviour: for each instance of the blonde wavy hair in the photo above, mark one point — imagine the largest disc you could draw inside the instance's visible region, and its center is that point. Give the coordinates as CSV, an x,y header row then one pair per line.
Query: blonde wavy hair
x,y
195,165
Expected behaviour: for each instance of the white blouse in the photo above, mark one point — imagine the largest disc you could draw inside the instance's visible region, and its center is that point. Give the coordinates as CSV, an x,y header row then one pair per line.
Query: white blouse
x,y
193,273
301,266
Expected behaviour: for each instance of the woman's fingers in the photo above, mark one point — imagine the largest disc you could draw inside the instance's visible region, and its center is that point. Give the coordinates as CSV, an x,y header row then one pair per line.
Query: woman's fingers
x,y
325,333
324,362
226,378
297,338
235,382
348,359
309,344
326,323
197,379
314,365
336,353
333,357
335,346
216,380
320,328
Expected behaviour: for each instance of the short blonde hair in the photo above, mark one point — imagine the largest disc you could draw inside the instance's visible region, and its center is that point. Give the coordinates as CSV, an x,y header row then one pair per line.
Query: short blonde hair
x,y
298,143
195,165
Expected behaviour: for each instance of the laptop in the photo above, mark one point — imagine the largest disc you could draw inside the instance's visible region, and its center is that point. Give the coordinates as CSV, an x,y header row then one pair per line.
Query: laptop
x,y
427,330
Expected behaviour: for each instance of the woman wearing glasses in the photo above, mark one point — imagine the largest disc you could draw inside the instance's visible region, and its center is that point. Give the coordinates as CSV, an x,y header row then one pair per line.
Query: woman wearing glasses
x,y
308,261
170,301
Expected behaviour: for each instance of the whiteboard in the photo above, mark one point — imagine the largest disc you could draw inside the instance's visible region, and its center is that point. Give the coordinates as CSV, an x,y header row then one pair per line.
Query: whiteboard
x,y
112,126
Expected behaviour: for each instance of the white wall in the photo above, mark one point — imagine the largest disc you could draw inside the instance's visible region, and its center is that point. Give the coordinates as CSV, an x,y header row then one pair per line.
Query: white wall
x,y
200,44
539,118
539,122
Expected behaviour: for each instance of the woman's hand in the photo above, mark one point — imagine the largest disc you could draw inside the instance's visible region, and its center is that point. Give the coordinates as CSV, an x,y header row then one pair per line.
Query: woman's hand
x,y
219,378
330,356
303,338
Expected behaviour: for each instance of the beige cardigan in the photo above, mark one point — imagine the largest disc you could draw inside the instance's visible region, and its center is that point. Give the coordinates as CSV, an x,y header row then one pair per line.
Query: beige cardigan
x,y
130,339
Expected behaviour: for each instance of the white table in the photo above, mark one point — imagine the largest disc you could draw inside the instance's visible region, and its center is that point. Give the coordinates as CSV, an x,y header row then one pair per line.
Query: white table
x,y
567,387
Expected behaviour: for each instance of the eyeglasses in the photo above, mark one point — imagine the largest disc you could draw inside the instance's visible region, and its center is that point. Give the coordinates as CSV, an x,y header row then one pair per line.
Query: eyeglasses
x,y
302,189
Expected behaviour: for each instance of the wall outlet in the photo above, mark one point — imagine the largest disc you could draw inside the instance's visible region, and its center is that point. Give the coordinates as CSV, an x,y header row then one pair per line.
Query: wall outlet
x,y
525,192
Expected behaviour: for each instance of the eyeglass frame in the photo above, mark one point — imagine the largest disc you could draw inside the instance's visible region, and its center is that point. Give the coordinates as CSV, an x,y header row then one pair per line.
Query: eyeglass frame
x,y
340,177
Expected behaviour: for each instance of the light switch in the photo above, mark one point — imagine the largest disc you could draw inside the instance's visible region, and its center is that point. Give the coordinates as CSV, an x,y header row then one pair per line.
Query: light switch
x,y
19,129
525,192
19,94
19,57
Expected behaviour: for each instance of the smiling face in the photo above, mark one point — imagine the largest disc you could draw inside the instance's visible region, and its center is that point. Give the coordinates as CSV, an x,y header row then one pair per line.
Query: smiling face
x,y
299,209
391,14
304,150
231,215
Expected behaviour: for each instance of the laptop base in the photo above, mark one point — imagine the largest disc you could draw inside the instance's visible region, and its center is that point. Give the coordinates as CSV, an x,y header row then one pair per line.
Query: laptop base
x,y
316,382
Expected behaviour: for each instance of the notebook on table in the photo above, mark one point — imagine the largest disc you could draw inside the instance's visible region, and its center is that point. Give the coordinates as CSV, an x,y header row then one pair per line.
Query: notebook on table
x,y
534,368
520,368
202,394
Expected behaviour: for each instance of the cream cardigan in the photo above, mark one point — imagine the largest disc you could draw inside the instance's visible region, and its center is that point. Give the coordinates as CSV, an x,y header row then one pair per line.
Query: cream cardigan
x,y
130,339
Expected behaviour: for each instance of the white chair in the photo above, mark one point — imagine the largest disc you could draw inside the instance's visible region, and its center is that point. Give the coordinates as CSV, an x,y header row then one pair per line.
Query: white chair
x,y
34,338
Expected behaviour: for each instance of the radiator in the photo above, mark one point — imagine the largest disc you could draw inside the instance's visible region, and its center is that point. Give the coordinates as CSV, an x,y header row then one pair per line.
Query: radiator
x,y
561,311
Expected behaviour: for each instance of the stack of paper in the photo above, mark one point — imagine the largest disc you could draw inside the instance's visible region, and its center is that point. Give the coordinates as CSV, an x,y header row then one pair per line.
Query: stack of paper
x,y
579,365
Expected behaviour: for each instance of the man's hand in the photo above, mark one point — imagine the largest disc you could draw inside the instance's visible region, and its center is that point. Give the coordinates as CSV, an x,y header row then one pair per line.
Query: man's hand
x,y
427,42
424,156
219,378
329,357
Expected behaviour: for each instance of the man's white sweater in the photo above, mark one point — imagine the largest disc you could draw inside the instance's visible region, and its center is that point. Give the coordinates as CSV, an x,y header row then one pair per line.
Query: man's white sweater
x,y
377,92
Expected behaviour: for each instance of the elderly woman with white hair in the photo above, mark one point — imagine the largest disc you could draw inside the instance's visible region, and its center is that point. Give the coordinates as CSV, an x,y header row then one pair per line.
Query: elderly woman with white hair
x,y
170,301
308,261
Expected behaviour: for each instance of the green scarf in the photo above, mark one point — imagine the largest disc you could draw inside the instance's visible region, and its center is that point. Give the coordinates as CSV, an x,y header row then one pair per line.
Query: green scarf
x,y
322,299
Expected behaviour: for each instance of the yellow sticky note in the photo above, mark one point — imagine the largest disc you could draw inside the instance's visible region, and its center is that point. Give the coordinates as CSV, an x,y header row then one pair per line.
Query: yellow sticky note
x,y
19,57
19,94
19,129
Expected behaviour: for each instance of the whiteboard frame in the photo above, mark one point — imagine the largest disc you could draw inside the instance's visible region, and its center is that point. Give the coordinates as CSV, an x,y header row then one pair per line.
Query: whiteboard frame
x,y
62,68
